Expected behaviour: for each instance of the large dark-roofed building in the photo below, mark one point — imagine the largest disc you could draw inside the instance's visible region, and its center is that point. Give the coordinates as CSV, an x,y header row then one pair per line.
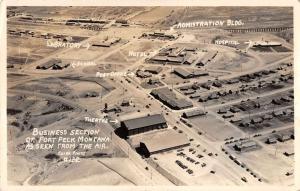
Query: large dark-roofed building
x,y
143,124
55,64
169,98
185,74
182,73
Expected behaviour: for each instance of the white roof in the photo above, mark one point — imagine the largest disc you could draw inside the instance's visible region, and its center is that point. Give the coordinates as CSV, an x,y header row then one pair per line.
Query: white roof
x,y
164,140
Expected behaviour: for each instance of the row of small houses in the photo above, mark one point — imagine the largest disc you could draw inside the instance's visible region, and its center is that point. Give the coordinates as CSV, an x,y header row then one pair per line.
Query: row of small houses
x,y
269,29
180,56
85,21
258,119
93,27
281,137
160,35
40,35
96,26
244,106
219,83
243,88
197,86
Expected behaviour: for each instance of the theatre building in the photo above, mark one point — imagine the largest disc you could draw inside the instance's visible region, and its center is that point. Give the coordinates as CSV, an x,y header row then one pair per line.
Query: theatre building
x,y
142,124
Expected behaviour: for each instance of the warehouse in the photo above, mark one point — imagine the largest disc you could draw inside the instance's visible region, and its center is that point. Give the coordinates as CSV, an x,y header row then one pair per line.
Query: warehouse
x,y
189,92
55,64
84,21
163,142
175,60
183,73
159,58
168,97
165,60
189,74
193,113
142,124
122,21
153,69
196,95
189,60
107,42
245,146
161,35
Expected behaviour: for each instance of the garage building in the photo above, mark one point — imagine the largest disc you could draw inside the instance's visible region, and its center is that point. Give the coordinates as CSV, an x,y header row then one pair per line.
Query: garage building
x,y
163,142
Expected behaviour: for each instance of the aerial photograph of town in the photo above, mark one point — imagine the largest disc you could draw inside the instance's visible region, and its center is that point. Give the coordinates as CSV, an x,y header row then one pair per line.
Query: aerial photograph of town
x,y
150,96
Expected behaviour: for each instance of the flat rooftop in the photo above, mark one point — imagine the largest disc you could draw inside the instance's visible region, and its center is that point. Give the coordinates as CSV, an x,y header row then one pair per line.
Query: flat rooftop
x,y
145,121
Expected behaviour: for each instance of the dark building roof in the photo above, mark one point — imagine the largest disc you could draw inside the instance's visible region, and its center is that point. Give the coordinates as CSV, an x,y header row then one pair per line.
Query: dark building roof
x,y
153,69
50,63
196,95
169,98
182,73
189,60
159,58
176,59
182,103
189,74
144,121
